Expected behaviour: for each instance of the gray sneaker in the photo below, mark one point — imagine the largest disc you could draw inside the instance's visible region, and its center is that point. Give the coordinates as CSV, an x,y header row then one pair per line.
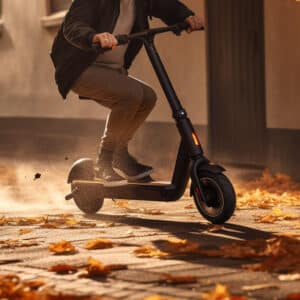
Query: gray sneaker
x,y
109,177
128,167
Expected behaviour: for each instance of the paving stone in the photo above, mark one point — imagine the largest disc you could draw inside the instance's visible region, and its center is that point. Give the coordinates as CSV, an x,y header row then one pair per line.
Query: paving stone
x,y
140,280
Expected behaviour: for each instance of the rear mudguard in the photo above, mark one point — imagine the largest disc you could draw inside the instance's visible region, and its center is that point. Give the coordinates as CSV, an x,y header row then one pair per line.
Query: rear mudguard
x,y
82,169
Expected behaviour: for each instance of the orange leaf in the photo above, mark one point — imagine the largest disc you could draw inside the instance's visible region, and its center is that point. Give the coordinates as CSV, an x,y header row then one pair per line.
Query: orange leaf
x,y
62,247
25,231
63,269
221,293
96,269
98,244
177,279
293,296
149,251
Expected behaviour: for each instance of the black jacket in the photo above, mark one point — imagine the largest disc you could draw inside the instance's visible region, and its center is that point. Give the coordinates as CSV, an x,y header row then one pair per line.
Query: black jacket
x,y
72,49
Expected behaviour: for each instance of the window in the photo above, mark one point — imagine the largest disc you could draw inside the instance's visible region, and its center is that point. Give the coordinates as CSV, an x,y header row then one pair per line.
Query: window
x,y
56,11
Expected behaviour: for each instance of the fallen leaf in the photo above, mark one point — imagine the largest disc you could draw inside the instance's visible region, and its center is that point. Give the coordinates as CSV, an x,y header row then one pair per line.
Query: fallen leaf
x,y
62,248
12,287
147,211
282,256
221,293
276,215
25,231
168,278
189,206
295,296
122,203
176,246
96,269
149,251
98,244
34,284
17,244
63,269
268,191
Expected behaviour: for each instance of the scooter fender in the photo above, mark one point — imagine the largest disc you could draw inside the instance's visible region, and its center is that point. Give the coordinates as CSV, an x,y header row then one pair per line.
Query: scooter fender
x,y
82,169
206,167
215,169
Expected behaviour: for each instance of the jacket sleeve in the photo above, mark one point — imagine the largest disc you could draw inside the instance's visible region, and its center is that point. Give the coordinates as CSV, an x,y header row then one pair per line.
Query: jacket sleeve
x,y
169,11
77,26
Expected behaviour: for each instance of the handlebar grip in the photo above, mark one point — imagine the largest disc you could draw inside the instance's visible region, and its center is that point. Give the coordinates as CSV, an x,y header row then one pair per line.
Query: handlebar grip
x,y
122,39
179,27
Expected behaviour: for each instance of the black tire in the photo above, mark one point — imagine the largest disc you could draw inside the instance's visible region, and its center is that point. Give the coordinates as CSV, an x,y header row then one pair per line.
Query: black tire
x,y
88,201
220,195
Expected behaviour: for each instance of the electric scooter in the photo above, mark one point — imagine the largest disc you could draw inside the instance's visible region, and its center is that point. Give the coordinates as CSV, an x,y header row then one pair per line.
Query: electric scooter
x,y
212,191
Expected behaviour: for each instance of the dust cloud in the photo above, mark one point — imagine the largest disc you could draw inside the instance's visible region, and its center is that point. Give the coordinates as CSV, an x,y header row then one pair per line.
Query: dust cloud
x,y
28,186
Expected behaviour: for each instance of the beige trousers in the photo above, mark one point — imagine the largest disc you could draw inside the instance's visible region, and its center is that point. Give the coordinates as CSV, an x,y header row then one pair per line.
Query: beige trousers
x,y
129,100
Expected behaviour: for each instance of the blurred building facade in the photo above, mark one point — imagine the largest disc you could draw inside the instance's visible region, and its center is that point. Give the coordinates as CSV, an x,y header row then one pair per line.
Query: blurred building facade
x,y
33,118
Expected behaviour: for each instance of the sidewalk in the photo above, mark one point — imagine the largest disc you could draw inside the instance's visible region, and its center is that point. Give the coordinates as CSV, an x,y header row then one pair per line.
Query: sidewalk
x,y
138,225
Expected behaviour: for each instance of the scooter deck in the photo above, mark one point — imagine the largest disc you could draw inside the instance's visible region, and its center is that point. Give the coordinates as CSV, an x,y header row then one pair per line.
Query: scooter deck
x,y
129,183
153,191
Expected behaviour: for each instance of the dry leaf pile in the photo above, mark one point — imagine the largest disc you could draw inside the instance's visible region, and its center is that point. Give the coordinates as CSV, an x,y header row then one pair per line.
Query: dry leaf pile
x,y
62,221
124,204
13,288
11,244
24,231
21,221
221,292
268,191
275,215
279,253
168,248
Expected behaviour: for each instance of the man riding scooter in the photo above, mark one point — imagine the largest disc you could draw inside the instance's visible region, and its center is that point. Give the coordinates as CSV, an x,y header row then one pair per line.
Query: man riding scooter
x,y
104,77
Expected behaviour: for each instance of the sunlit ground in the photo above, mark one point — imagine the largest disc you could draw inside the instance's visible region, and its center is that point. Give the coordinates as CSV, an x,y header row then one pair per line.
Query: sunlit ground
x,y
269,200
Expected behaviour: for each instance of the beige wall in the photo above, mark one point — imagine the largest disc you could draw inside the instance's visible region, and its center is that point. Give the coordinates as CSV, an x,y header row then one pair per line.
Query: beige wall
x,y
26,75
282,27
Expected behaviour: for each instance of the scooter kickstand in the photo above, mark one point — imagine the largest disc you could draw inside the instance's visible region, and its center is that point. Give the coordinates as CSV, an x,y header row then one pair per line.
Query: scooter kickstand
x,y
72,194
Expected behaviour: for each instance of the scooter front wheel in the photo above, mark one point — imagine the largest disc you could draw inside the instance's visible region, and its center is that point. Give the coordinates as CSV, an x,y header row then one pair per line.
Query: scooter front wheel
x,y
88,200
219,200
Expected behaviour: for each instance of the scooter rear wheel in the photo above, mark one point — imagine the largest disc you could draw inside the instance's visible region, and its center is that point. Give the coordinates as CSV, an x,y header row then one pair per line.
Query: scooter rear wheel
x,y
87,200
220,199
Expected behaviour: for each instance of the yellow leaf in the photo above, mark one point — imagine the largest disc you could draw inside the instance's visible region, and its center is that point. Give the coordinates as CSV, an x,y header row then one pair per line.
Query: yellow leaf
x,y
98,244
149,251
96,269
62,247
25,231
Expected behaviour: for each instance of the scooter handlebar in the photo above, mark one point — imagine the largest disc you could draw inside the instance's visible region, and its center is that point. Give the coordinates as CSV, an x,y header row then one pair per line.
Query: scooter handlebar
x,y
124,39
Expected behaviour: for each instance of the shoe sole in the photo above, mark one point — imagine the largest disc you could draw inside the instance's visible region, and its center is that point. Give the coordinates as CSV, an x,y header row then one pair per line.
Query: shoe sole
x,y
112,183
132,178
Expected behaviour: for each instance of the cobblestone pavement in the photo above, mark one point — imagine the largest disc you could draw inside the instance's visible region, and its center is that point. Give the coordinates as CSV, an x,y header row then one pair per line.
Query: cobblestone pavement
x,y
133,228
